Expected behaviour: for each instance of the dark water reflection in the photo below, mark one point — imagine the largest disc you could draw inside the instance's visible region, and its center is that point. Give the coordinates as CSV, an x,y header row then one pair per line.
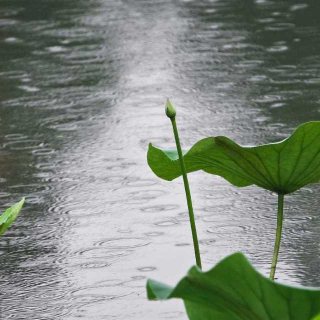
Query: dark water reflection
x,y
82,88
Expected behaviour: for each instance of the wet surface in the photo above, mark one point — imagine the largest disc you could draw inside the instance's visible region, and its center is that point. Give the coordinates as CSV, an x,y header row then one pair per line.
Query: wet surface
x,y
82,92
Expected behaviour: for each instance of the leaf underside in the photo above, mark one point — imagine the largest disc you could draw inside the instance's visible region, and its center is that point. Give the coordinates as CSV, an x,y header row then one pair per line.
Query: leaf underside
x,y
9,216
282,167
234,290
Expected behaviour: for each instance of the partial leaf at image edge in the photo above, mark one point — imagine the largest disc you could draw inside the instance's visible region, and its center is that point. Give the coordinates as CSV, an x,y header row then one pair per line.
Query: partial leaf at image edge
x,y
282,167
9,216
234,290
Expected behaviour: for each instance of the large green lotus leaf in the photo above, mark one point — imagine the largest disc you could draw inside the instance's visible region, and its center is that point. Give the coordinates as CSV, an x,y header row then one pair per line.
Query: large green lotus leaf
x,y
234,290
9,216
281,167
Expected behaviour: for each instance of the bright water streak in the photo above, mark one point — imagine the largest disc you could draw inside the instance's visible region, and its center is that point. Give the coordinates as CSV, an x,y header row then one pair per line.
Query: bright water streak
x,y
82,92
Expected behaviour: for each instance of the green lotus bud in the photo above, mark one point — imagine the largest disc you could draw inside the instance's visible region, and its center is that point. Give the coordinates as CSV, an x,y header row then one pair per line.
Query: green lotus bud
x,y
170,110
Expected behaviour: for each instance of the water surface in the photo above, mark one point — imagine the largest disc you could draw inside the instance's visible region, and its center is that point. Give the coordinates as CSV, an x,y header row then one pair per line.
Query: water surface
x,y
82,91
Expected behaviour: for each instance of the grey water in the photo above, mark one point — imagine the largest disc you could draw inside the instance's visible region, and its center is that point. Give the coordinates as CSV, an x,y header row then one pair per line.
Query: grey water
x,y
82,91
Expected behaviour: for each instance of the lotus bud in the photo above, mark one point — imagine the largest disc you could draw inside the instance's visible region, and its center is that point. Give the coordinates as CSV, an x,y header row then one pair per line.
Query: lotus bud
x,y
170,110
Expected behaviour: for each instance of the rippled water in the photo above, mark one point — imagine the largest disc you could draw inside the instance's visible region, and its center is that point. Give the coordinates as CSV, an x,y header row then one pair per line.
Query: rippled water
x,y
82,91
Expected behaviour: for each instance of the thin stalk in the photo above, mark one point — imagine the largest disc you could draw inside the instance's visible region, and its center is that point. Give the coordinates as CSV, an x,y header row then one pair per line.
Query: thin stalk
x,y
278,236
188,194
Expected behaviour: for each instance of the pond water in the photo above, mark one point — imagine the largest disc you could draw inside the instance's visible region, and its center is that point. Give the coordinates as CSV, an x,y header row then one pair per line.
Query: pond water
x,y
82,91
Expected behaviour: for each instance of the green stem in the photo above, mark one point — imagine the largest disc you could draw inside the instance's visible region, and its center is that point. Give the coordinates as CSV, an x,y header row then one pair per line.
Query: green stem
x,y
278,236
188,194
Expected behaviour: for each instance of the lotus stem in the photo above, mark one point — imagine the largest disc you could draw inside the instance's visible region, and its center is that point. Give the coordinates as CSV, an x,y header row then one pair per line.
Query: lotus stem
x,y
278,236
171,113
